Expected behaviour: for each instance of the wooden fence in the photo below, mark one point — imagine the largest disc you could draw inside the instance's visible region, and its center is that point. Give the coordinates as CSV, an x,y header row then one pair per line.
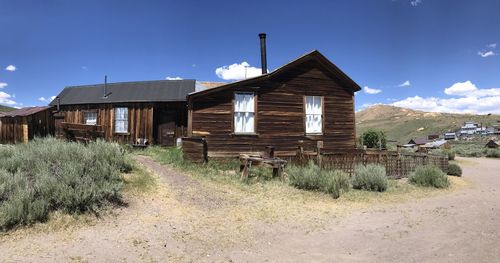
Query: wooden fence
x,y
397,164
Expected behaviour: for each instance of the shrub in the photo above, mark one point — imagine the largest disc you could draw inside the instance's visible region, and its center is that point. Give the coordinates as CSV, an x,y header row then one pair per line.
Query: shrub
x,y
49,174
371,177
429,175
454,169
450,153
494,153
311,177
374,139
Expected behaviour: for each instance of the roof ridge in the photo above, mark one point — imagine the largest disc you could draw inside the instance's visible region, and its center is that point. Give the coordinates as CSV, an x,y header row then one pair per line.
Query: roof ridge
x,y
130,82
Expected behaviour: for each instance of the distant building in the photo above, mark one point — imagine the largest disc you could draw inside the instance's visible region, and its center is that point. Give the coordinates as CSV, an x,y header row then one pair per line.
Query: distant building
x,y
469,128
493,144
418,142
450,136
435,145
432,136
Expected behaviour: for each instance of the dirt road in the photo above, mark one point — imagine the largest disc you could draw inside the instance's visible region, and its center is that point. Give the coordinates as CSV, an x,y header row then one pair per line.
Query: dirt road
x,y
187,221
461,227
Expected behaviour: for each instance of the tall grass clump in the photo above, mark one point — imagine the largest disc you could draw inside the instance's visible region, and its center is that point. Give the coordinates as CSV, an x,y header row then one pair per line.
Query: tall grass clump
x,y
454,169
429,176
311,177
371,177
48,174
493,153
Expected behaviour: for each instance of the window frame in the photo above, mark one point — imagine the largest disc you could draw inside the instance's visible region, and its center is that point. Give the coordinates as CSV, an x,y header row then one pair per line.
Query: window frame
x,y
322,101
126,121
254,94
90,112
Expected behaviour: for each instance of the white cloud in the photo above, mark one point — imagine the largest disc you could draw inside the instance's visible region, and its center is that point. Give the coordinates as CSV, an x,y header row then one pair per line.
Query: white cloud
x,y
405,84
471,100
468,89
492,45
415,2
237,71
173,78
486,54
11,68
368,90
46,100
6,99
3,85
85,68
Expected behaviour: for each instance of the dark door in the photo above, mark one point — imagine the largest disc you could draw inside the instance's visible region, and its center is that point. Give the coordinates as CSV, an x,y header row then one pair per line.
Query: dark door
x,y
166,129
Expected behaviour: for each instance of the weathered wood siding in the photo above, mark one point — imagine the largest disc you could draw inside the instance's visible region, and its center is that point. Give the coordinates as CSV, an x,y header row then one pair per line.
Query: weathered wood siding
x,y
23,128
141,119
280,118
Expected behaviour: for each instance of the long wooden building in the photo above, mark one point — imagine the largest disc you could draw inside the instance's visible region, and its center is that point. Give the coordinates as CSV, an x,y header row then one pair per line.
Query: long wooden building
x,y
25,124
308,102
126,112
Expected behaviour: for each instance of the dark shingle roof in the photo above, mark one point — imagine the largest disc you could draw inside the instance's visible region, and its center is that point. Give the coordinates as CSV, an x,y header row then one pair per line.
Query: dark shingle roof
x,y
24,111
140,91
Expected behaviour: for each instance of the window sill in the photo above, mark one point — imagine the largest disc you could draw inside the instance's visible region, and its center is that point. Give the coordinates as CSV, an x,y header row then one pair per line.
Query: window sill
x,y
121,133
314,134
244,134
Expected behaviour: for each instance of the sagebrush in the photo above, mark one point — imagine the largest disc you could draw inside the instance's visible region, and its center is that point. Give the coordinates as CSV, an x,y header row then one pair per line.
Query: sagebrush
x,y
311,177
49,174
371,177
429,176
454,169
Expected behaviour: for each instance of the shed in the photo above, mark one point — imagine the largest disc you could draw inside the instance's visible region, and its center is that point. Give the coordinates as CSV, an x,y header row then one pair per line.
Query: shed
x,y
493,144
128,112
24,124
418,142
308,102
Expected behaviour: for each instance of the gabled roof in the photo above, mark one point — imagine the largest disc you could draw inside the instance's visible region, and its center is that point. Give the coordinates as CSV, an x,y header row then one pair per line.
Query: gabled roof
x,y
24,111
313,55
139,91
419,141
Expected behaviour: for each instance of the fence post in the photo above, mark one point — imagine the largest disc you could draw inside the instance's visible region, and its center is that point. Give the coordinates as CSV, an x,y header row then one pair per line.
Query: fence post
x,y
319,146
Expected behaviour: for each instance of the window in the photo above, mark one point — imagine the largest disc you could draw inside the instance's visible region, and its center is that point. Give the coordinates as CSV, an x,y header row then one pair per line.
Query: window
x,y
314,114
121,120
90,117
244,112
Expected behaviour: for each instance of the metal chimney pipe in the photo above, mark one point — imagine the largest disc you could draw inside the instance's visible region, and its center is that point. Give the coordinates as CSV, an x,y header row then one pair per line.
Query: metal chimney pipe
x,y
58,101
105,91
263,56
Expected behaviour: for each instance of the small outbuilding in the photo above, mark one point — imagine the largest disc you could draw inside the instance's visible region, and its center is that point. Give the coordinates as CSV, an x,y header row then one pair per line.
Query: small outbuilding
x,y
418,142
25,124
493,144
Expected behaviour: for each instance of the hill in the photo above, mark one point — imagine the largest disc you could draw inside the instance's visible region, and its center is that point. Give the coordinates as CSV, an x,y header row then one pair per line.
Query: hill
x,y
6,108
401,124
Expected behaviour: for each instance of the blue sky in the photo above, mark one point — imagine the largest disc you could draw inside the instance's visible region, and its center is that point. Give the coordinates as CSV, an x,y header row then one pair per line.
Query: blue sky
x,y
435,55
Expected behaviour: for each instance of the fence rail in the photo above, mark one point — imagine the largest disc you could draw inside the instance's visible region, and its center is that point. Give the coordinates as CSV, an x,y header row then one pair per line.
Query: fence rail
x,y
397,164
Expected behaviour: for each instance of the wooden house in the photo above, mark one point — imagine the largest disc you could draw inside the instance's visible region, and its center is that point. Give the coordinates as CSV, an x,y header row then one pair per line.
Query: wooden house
x,y
127,112
418,142
308,102
25,124
493,144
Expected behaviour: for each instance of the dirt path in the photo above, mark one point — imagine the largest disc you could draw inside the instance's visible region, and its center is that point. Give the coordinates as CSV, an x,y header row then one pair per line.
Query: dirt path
x,y
189,221
462,227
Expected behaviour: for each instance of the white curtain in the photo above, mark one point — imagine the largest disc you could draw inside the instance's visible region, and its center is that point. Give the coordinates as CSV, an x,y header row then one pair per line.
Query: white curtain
x,y
90,118
314,114
121,120
244,112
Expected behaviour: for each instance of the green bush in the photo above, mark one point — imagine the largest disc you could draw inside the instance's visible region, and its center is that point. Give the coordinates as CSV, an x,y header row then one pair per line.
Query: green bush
x,y
374,139
371,177
493,153
454,169
429,176
311,177
49,174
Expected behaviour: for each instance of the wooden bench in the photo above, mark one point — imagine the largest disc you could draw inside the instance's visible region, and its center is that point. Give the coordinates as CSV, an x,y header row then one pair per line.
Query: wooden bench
x,y
247,161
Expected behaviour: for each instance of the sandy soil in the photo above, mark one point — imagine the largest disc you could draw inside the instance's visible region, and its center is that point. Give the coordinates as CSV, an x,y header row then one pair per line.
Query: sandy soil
x,y
463,226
